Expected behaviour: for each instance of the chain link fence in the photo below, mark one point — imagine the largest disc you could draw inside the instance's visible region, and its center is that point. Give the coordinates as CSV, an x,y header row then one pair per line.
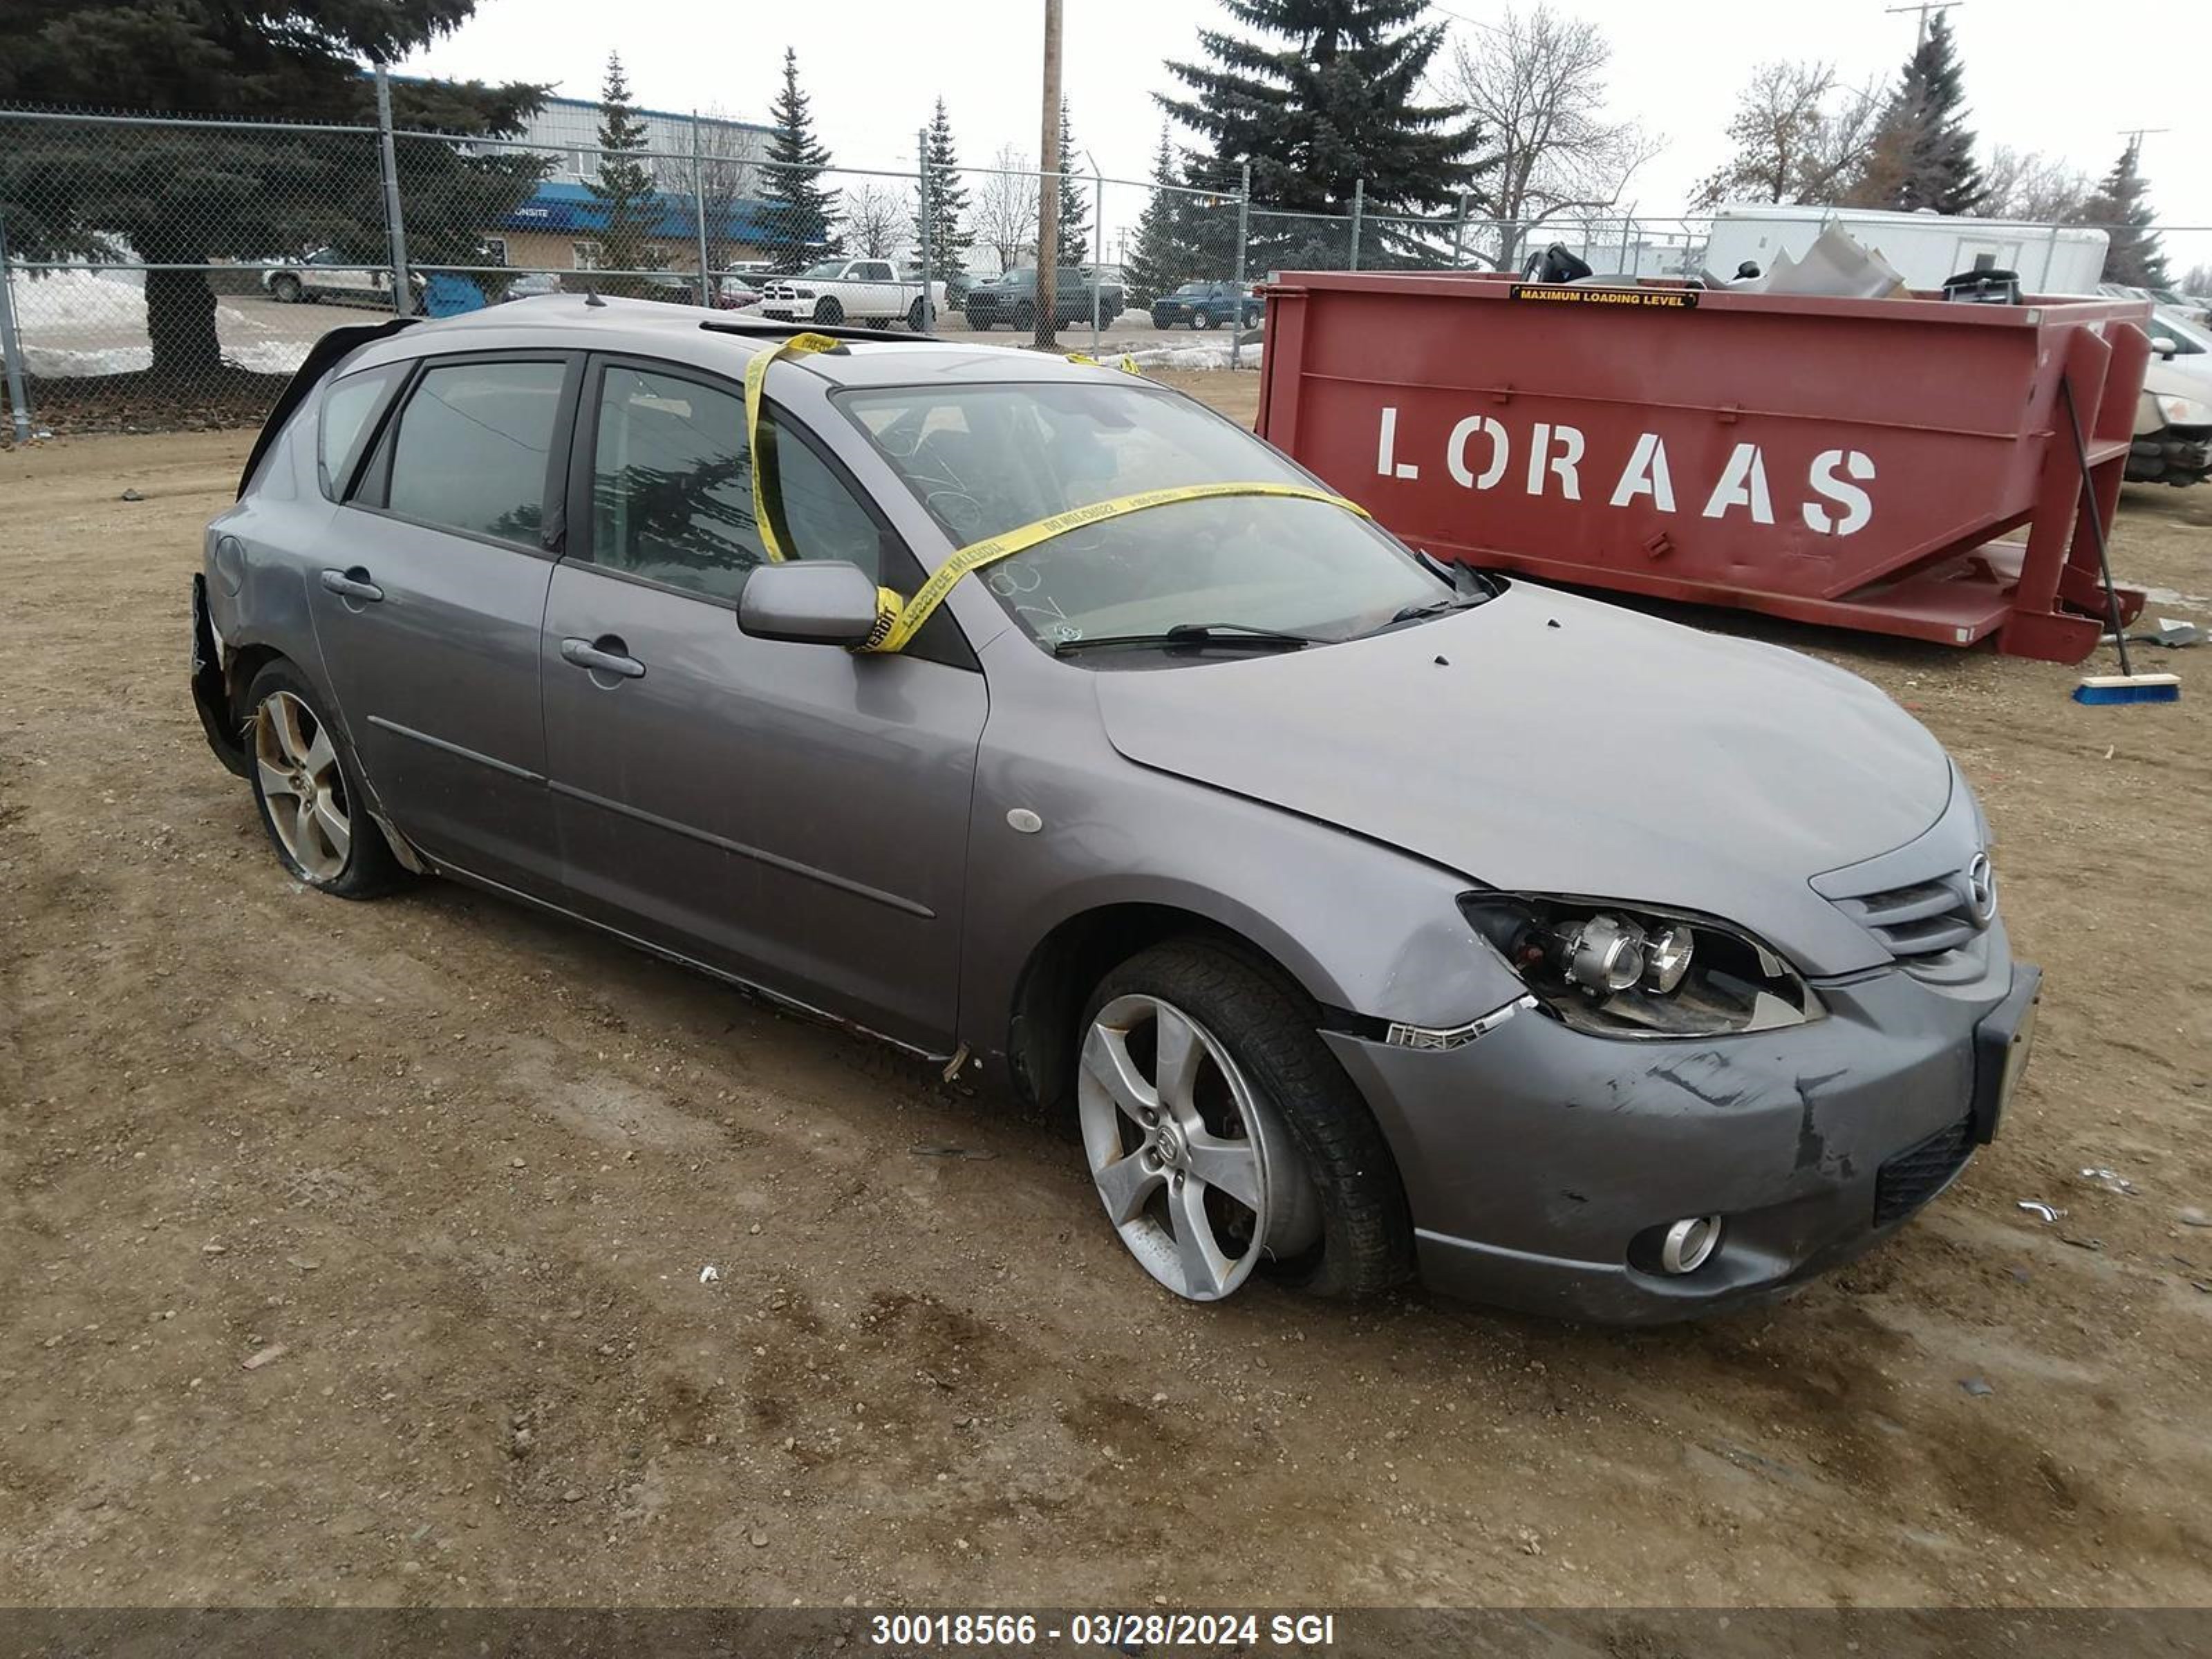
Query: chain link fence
x,y
162,272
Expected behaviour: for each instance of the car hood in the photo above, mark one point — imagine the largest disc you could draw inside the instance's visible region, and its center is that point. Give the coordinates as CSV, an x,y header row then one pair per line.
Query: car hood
x,y
1545,743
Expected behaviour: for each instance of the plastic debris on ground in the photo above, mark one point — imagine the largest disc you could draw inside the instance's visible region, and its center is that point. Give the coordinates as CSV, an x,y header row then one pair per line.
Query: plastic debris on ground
x,y
2109,1180
2039,1209
710,1273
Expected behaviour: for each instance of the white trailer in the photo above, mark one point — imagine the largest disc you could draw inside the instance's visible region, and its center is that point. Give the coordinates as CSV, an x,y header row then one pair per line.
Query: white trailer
x,y
1924,248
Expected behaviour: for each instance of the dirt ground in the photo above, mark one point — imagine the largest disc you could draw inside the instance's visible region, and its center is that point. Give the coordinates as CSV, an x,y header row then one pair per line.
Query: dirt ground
x,y
453,1171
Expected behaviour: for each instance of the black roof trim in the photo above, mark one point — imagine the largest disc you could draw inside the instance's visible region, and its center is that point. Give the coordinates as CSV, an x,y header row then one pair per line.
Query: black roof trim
x,y
761,328
321,356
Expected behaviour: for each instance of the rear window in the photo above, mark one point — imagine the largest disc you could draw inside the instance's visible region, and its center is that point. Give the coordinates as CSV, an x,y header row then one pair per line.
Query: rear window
x,y
472,448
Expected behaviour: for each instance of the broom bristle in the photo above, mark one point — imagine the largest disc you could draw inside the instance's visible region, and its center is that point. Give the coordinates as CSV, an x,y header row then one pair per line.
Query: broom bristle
x,y
2128,688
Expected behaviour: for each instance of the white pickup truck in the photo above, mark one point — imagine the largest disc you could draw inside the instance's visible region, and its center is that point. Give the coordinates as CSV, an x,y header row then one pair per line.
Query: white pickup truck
x,y
861,290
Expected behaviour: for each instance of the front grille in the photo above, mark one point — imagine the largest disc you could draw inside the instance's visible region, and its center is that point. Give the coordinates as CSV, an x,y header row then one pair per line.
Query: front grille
x,y
1922,920
1917,1174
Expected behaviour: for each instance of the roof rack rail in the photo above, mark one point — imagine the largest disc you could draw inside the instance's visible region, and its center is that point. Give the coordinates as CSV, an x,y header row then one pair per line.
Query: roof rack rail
x,y
762,328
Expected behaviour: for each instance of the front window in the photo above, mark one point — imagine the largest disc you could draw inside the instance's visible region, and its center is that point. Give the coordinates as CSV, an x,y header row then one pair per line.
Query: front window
x,y
985,460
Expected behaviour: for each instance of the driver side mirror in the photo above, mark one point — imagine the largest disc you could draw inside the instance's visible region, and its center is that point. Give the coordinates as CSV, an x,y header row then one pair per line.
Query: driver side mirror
x,y
811,602
2164,345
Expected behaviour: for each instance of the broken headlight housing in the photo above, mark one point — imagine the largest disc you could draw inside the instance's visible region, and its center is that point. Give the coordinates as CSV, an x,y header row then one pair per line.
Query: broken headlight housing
x,y
1622,971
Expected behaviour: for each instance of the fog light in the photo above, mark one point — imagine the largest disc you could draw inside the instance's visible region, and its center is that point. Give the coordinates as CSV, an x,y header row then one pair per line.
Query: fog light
x,y
1689,1243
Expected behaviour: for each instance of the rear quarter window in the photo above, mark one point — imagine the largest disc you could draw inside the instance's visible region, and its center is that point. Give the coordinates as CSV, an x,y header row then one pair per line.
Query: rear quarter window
x,y
349,418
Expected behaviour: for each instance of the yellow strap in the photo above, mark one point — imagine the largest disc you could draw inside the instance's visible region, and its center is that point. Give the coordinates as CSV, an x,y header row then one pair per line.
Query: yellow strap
x,y
755,371
1128,364
898,623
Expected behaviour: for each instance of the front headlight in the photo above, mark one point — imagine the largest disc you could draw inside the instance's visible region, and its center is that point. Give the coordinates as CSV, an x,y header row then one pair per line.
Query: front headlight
x,y
802,293
2184,411
1623,970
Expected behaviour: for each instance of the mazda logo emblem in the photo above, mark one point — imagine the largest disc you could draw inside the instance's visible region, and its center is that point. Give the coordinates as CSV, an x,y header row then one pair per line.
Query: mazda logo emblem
x,y
1982,890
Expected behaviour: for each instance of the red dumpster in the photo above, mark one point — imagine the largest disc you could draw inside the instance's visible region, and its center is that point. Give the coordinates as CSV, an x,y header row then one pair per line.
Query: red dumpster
x,y
1902,465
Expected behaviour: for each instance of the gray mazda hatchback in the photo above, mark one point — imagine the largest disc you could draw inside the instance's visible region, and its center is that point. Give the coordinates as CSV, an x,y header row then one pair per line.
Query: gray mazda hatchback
x,y
1374,916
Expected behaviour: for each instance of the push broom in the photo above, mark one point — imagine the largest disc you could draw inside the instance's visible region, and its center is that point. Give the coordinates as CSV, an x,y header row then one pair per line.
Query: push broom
x,y
2127,685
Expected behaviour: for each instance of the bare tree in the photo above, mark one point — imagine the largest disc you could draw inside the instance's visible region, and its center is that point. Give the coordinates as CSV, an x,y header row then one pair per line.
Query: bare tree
x,y
875,222
2198,281
2029,184
727,174
1005,218
1536,86
1798,135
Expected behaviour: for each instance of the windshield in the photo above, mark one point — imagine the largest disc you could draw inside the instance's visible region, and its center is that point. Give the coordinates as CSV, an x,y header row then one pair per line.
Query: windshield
x,y
989,458
826,268
1191,288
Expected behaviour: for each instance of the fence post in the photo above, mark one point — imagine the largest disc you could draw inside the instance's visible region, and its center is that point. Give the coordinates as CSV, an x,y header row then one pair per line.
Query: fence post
x,y
395,226
1097,246
921,183
699,210
1459,233
11,345
1243,235
1359,207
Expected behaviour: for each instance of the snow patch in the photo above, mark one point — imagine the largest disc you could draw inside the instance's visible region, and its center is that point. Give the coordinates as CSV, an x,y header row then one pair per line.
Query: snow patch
x,y
77,323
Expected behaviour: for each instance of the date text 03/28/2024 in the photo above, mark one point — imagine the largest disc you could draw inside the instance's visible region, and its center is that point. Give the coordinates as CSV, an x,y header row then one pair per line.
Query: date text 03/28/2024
x,y
1104,1630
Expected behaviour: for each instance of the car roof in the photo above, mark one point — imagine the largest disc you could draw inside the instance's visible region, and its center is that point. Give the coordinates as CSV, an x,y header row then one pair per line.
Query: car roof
x,y
711,339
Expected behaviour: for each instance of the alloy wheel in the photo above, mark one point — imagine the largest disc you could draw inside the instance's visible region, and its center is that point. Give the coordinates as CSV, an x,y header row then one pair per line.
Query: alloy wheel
x,y
302,785
1197,1171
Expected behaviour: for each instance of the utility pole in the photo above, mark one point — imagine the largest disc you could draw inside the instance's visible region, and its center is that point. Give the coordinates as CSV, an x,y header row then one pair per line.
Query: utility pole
x,y
2134,136
1923,8
1047,265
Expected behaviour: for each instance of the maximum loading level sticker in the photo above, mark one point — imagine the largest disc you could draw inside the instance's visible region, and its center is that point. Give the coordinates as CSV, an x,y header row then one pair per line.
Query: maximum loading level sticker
x,y
1634,299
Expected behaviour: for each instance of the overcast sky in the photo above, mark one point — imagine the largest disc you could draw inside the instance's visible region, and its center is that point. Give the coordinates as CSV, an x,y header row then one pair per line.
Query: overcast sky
x,y
2039,75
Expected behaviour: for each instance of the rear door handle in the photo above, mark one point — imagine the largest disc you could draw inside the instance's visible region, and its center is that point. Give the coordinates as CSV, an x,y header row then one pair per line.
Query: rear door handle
x,y
353,584
602,656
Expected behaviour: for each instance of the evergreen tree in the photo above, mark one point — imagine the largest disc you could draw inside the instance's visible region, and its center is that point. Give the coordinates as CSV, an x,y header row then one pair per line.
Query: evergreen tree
x,y
1923,154
949,237
1075,247
623,186
1328,95
2136,258
183,197
1165,255
802,222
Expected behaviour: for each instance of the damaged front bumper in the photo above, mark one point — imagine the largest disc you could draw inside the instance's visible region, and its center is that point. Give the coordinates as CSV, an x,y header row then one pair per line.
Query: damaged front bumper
x,y
1543,1166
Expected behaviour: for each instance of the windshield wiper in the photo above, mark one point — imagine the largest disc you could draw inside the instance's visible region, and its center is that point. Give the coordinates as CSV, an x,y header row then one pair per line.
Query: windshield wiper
x,y
1466,601
1240,634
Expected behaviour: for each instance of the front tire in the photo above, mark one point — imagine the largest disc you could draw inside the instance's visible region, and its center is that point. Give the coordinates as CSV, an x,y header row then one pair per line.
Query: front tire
x,y
829,313
309,790
287,289
1202,320
1222,1135
1024,316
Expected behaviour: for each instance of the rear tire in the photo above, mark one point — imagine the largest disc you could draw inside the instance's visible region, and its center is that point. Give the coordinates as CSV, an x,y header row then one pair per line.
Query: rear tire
x,y
829,313
916,318
1333,1212
309,792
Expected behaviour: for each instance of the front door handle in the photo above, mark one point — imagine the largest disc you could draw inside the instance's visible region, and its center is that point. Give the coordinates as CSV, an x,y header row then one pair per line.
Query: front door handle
x,y
603,655
353,584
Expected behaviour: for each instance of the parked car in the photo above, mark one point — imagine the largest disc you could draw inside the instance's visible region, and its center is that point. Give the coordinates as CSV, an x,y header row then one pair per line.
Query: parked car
x,y
2173,415
327,274
1010,297
862,290
1316,876
1203,304
738,291
530,285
